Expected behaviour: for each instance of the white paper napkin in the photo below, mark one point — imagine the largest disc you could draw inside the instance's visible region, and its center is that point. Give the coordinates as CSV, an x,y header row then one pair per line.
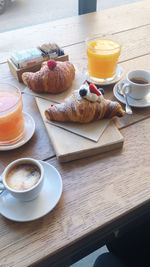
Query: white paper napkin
x,y
91,131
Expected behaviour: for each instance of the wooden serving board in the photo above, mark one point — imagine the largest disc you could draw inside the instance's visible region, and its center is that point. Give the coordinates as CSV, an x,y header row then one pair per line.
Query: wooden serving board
x,y
69,146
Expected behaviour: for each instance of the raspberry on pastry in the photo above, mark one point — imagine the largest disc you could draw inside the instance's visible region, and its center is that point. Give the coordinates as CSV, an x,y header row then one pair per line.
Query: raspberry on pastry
x,y
53,77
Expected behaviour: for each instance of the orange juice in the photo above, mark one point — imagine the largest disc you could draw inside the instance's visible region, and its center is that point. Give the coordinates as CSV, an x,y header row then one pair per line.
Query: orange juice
x,y
11,117
103,57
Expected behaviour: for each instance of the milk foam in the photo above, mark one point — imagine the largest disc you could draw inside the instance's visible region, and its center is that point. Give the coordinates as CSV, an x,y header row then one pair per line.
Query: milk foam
x,y
23,177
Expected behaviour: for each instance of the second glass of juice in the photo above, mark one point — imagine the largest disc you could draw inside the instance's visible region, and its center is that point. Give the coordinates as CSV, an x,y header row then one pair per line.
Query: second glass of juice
x,y
103,54
11,117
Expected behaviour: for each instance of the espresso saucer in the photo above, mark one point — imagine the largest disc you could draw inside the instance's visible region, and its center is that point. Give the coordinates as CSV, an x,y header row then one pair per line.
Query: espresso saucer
x,y
138,103
18,211
29,126
117,77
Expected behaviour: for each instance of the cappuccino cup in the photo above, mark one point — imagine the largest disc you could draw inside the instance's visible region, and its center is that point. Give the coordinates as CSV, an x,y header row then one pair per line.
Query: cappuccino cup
x,y
137,84
23,179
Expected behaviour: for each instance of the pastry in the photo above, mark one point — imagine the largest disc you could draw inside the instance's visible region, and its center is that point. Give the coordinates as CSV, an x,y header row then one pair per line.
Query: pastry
x,y
53,77
85,105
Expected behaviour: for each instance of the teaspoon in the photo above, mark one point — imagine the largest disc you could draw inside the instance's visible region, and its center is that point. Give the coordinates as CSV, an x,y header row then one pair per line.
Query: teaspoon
x,y
124,93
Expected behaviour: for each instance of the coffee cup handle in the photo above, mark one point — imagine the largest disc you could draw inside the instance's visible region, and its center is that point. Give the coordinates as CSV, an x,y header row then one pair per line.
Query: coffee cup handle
x,y
2,187
126,88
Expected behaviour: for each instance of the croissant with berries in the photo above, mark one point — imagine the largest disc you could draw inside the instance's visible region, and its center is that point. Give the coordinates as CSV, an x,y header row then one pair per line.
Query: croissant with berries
x,y
53,77
83,106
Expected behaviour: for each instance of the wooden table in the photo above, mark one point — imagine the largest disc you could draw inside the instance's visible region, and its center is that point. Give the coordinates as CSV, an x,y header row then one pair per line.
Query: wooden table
x,y
101,193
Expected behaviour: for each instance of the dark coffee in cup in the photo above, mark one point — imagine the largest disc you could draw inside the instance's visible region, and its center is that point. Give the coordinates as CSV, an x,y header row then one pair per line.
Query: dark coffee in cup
x,y
138,84
23,176
139,80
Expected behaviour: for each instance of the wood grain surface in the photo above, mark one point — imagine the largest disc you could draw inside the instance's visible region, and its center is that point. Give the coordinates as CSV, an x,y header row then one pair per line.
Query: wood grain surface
x,y
109,186
100,193
76,29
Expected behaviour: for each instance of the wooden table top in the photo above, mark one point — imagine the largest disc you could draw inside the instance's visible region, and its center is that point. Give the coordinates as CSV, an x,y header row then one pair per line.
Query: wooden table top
x,y
102,192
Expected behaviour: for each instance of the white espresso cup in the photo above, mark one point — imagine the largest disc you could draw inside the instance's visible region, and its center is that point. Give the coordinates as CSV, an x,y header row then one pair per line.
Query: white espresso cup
x,y
137,84
23,179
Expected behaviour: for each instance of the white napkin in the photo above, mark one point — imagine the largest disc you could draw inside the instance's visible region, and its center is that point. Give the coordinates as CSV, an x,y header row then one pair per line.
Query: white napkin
x,y
91,131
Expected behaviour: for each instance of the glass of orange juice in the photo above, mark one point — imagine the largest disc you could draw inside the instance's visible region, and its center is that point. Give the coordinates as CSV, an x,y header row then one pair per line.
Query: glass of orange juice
x,y
103,53
11,117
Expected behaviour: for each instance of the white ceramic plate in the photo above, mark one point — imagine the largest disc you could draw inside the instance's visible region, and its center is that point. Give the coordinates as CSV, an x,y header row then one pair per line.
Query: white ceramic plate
x,y
18,211
140,103
29,131
117,77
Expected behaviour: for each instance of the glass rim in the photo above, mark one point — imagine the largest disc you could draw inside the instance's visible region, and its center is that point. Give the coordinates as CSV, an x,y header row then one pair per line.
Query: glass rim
x,y
99,37
18,91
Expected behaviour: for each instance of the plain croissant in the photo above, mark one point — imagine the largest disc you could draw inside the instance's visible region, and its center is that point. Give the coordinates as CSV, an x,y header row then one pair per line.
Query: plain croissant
x,y
53,77
78,109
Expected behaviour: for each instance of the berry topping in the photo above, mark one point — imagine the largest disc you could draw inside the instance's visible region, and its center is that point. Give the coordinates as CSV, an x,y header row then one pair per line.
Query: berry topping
x,y
52,105
101,90
54,50
51,64
61,52
83,92
93,89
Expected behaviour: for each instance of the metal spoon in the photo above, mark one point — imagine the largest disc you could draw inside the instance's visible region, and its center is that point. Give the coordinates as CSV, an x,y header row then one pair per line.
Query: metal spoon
x,y
124,93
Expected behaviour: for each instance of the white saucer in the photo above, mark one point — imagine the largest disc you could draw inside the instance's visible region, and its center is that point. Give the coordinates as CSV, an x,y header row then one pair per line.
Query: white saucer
x,y
29,131
140,103
117,77
18,211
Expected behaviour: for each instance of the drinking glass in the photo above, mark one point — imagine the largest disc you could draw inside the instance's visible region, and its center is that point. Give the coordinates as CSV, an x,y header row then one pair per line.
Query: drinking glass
x,y
11,117
103,53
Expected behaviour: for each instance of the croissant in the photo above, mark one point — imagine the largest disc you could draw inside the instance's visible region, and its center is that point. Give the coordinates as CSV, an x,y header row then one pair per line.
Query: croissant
x,y
53,77
78,109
